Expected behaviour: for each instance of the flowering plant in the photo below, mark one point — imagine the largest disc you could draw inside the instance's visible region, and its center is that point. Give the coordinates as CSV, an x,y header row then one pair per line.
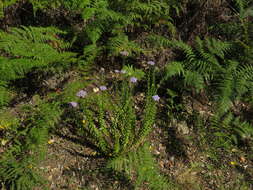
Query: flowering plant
x,y
111,122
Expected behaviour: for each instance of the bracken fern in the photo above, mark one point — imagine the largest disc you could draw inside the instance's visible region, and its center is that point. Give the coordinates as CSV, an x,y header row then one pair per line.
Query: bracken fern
x,y
18,163
28,48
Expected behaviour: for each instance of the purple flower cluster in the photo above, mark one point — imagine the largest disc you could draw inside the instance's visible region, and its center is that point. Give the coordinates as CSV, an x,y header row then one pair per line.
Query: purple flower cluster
x,y
73,104
151,63
133,79
103,88
81,94
156,98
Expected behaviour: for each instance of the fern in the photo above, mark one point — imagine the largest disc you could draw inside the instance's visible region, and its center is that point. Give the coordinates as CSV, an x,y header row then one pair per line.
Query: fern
x,y
198,66
140,164
231,130
4,4
112,122
194,78
159,41
243,131
148,121
206,65
234,82
116,19
38,40
240,4
121,43
28,48
131,71
203,58
28,148
118,139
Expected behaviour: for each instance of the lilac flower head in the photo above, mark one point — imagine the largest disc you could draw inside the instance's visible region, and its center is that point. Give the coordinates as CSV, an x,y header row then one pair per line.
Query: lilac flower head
x,y
81,93
133,79
103,88
123,71
124,53
151,63
156,98
73,104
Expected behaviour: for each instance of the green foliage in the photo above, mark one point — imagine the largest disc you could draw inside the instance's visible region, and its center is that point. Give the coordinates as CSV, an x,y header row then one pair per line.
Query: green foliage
x,y
243,131
131,71
18,163
28,48
200,64
239,30
70,90
234,81
240,5
112,123
141,165
7,126
231,130
175,107
121,43
235,78
37,4
4,4
35,43
110,22
206,66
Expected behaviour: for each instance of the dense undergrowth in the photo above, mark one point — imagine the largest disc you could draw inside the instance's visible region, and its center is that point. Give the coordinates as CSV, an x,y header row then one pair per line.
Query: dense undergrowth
x,y
116,71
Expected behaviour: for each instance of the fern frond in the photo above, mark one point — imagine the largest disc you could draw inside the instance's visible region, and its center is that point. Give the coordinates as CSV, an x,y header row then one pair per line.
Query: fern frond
x,y
142,165
4,93
187,50
194,79
240,4
159,41
28,148
245,72
205,56
148,8
225,92
99,138
217,47
29,48
150,111
174,68
121,43
4,4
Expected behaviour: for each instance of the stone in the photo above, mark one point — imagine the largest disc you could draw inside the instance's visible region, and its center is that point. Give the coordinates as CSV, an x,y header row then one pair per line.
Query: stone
x,y
183,128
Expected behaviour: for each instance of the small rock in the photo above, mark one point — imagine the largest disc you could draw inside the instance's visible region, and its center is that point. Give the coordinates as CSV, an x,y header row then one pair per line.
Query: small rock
x,y
50,178
156,152
161,163
183,128
172,158
93,186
